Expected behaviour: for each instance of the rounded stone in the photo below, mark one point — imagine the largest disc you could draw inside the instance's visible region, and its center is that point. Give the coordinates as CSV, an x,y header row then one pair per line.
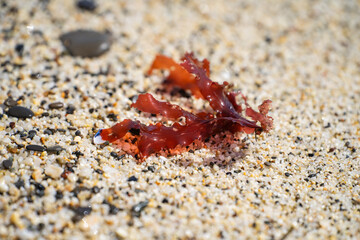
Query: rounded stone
x,y
7,164
20,112
34,147
88,5
56,105
86,43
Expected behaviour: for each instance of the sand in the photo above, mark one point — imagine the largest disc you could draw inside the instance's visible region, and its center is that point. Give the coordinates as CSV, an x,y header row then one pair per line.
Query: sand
x,y
299,181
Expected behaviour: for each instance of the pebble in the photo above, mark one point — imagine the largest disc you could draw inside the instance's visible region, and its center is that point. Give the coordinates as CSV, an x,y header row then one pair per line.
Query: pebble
x,y
3,186
56,105
7,164
48,132
138,208
34,147
10,102
54,149
37,175
132,179
16,220
77,133
20,112
88,5
31,134
19,48
77,139
86,43
81,212
53,171
39,189
59,195
95,189
113,210
70,109
19,183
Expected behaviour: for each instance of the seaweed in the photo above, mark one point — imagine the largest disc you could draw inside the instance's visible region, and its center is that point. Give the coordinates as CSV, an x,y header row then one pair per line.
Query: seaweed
x,y
191,74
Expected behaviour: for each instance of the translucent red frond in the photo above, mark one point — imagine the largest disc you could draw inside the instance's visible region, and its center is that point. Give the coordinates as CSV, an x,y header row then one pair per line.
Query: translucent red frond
x,y
193,75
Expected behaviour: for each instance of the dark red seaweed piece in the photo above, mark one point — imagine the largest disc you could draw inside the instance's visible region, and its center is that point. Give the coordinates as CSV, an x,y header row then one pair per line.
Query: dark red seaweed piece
x,y
143,140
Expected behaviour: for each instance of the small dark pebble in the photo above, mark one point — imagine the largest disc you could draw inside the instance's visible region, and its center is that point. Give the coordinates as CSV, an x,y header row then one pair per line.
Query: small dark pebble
x,y
268,39
132,179
77,133
55,149
20,112
31,134
88,5
81,212
48,132
40,226
12,125
95,189
138,208
327,125
36,75
23,135
59,195
113,210
7,164
112,117
39,189
78,189
20,183
165,200
86,43
99,171
34,147
45,114
312,175
151,168
267,163
114,155
10,102
56,105
78,153
311,154
287,174
19,48
70,109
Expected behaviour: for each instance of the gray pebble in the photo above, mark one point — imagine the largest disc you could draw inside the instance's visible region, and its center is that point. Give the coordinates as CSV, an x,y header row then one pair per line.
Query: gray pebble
x,y
20,112
7,164
55,149
81,212
34,147
9,102
88,5
31,134
138,208
86,43
56,105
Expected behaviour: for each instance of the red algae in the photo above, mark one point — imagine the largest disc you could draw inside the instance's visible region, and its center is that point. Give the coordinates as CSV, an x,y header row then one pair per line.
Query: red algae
x,y
194,75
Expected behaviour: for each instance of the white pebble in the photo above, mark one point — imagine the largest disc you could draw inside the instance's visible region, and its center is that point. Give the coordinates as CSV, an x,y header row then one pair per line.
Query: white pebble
x,y
53,171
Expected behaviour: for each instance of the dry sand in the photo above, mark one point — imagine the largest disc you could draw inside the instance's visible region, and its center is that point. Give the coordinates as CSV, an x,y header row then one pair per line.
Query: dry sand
x,y
300,181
